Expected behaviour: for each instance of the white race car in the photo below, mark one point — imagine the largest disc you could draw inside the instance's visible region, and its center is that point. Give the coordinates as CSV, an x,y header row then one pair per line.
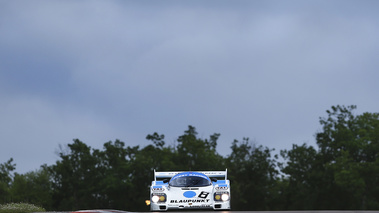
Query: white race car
x,y
190,190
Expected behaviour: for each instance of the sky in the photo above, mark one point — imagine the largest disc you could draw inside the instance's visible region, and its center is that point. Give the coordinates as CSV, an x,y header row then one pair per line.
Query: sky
x,y
105,70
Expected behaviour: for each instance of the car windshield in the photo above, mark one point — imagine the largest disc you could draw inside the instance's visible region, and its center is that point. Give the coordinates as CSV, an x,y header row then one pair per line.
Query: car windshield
x,y
190,181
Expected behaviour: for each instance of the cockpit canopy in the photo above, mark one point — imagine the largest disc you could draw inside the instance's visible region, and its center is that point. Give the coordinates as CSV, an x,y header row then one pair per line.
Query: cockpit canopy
x,y
190,179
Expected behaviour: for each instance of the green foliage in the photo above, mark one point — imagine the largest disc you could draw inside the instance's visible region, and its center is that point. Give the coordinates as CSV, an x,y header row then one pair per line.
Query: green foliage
x,y
341,174
20,208
75,177
194,153
252,173
301,177
6,179
33,187
349,146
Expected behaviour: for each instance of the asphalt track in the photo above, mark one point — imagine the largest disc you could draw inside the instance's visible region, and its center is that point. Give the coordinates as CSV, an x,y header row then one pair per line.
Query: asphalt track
x,y
116,211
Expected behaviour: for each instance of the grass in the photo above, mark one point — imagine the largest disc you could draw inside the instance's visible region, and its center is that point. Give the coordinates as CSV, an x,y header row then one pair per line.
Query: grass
x,y
20,208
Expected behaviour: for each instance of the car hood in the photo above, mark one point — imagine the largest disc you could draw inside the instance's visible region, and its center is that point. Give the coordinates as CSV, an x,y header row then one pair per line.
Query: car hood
x,y
186,195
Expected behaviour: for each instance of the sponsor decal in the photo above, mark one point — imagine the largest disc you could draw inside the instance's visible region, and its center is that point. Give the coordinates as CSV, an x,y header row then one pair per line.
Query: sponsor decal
x,y
201,206
189,194
158,188
190,201
221,188
190,188
189,174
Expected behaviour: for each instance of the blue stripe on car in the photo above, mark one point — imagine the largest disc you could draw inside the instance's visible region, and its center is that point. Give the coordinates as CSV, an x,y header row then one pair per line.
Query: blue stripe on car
x,y
187,174
161,183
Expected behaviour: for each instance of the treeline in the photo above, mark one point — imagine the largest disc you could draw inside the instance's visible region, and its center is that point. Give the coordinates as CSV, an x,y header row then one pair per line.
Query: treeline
x,y
342,173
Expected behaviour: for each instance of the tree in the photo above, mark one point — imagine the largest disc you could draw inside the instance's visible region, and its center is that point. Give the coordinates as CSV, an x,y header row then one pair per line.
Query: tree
x,y
341,174
75,178
151,157
33,187
198,154
253,175
349,146
114,175
300,169
6,170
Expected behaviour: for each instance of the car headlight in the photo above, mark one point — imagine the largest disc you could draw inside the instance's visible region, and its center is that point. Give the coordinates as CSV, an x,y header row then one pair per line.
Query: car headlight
x,y
158,197
225,197
221,196
155,198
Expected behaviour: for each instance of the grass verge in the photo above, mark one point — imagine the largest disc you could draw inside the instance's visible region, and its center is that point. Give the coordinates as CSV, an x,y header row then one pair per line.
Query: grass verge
x,y
20,208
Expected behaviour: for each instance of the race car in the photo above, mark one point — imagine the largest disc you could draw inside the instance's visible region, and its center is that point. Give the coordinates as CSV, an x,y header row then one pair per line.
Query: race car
x,y
190,190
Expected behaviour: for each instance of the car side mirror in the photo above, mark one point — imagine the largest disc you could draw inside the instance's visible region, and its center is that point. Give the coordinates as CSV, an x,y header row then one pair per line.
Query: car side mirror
x,y
166,180
214,179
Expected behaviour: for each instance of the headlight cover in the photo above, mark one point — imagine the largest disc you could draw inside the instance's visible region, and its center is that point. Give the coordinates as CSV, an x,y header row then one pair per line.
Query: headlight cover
x,y
158,197
221,196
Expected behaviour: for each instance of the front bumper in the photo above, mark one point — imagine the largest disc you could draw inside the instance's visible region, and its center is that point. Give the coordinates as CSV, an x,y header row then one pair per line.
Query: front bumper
x,y
186,206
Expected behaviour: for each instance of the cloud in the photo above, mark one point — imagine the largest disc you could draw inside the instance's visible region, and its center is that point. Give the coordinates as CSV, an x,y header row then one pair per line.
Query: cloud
x,y
34,128
98,71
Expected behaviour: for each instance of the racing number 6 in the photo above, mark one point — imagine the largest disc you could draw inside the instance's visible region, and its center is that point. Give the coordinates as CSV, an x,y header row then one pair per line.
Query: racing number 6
x,y
203,194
